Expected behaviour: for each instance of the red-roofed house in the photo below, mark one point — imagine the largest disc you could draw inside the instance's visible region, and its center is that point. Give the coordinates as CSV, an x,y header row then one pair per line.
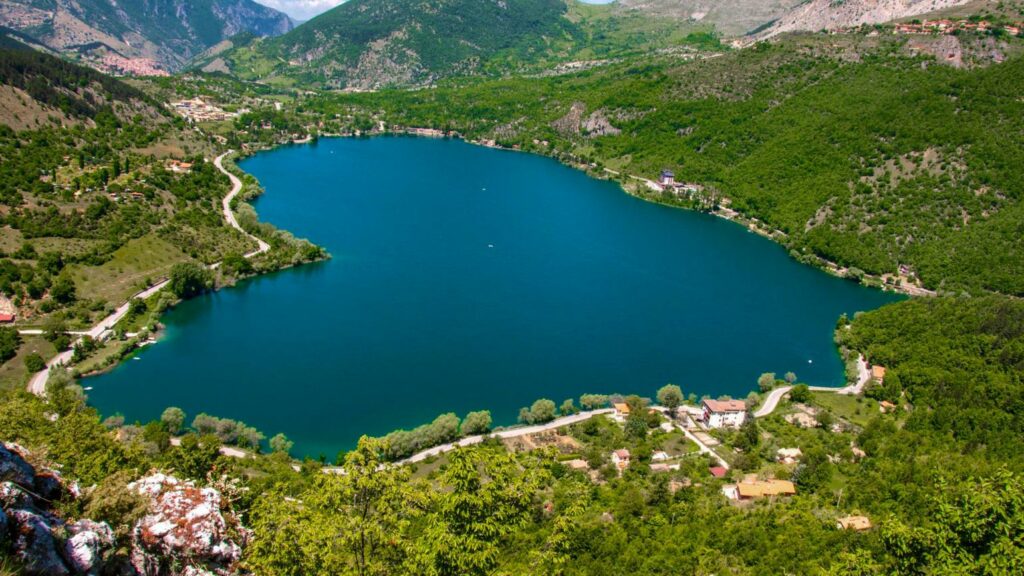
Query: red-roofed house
x,y
620,459
6,318
724,413
718,471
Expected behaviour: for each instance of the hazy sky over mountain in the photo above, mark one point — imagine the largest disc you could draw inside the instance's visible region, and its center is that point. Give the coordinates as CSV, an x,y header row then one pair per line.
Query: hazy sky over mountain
x,y
301,9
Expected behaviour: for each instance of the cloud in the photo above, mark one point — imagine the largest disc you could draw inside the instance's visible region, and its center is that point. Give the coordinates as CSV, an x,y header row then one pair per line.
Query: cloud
x,y
301,9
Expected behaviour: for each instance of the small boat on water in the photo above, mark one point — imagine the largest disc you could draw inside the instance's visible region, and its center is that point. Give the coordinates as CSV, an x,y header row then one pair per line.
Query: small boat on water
x,y
87,388
136,358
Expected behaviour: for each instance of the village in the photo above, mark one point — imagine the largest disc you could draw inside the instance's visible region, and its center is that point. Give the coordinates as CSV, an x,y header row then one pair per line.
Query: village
x,y
197,110
750,458
945,26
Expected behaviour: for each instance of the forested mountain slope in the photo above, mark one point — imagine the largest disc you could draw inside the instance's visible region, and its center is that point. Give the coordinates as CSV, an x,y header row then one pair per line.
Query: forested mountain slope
x,y
168,31
861,149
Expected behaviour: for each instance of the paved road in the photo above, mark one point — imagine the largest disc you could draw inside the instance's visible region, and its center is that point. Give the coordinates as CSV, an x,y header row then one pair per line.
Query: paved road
x,y
224,449
229,214
37,384
510,433
863,377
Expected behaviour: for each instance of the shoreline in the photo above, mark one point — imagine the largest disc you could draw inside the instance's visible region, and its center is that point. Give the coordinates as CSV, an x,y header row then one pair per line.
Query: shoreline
x,y
750,223
237,187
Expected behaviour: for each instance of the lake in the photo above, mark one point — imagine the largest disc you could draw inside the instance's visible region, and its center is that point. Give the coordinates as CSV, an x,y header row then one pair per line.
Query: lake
x,y
468,278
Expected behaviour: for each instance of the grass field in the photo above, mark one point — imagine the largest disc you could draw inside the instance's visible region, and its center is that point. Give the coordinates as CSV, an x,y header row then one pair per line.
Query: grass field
x,y
126,273
856,409
13,373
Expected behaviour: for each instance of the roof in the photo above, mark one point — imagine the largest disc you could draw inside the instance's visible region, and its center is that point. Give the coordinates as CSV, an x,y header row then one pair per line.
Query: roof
x,y
622,453
718,471
763,488
789,452
6,317
622,407
725,405
577,464
854,523
878,372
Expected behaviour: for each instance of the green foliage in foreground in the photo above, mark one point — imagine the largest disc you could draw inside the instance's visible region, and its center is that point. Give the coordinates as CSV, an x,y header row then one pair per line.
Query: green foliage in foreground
x,y
870,162
940,480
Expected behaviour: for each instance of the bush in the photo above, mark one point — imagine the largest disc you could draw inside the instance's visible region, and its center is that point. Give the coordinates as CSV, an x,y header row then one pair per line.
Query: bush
x,y
34,363
10,340
476,423
541,411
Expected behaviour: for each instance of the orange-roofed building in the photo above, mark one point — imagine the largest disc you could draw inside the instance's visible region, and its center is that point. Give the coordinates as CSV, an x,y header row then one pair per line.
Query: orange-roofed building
x,y
724,413
878,374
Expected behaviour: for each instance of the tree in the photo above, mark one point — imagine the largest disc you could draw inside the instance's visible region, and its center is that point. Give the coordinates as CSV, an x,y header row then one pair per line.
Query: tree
x,y
34,363
173,418
636,422
670,396
593,401
476,423
749,435
10,340
280,444
195,456
351,523
790,377
189,279
63,289
800,393
568,408
541,411
766,381
484,497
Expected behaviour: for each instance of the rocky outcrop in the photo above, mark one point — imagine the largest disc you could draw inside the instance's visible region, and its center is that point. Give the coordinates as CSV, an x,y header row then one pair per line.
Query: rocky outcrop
x,y
597,124
187,531
569,125
184,522
832,15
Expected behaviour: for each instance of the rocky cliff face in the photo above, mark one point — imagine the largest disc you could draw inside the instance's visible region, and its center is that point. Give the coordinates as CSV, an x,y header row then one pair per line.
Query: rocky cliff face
x,y
167,32
187,530
836,14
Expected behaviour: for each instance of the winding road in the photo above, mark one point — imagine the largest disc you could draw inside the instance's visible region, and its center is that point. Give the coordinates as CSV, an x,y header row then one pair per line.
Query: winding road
x,y
37,383
775,396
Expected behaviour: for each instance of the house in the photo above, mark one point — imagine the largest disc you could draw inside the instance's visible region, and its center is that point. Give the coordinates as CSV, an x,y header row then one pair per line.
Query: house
x,y
621,409
723,413
667,178
179,167
6,318
755,489
659,456
878,374
886,406
788,455
857,523
718,471
663,467
620,459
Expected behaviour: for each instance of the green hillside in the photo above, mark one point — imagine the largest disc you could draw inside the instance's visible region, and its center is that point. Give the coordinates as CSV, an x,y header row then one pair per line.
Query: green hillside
x,y
366,44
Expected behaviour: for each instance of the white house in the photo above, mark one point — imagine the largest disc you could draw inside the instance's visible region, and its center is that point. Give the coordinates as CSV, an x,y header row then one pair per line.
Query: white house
x,y
659,456
620,459
723,413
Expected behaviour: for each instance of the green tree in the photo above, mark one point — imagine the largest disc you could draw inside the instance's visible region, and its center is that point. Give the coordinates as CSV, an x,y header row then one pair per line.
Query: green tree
x,y
790,377
173,418
281,444
10,340
351,523
63,289
593,401
800,393
766,381
568,408
541,411
636,423
189,279
486,496
34,363
670,396
195,456
476,423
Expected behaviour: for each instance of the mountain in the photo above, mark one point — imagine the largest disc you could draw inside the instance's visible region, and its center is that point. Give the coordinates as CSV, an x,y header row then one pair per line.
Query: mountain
x,y
37,89
162,33
369,44
836,14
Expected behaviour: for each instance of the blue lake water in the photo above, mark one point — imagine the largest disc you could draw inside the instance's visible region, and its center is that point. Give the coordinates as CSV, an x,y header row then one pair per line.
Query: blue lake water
x,y
466,278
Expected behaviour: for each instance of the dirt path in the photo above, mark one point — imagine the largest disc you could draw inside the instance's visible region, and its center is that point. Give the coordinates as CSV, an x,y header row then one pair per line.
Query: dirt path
x,y
229,214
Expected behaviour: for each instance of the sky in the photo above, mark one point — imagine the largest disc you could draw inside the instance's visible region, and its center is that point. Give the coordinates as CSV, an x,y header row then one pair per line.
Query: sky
x,y
301,9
